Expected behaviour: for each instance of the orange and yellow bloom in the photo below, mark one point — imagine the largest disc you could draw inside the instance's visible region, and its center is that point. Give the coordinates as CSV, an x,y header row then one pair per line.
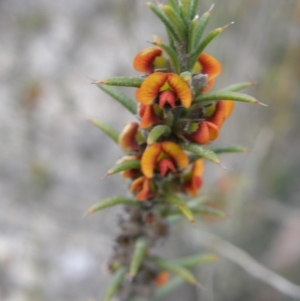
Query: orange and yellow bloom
x,y
163,157
222,111
149,59
164,88
207,64
193,180
142,188
127,138
148,116
206,132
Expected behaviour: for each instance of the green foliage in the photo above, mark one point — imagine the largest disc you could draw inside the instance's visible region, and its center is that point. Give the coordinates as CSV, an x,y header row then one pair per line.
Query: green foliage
x,y
122,81
176,269
115,284
157,132
201,152
138,256
225,95
110,202
122,98
125,165
108,130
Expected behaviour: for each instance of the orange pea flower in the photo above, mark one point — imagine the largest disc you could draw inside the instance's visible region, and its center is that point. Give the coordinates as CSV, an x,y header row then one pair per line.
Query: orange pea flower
x,y
206,132
163,157
148,116
127,138
223,110
149,59
162,278
193,181
141,188
165,88
207,64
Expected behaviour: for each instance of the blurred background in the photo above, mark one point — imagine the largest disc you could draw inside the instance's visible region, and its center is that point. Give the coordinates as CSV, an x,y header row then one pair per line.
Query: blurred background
x,y
52,159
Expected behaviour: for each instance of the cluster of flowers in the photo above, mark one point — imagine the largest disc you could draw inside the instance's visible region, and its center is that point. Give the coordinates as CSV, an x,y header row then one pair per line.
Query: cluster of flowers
x,y
166,98
167,119
164,149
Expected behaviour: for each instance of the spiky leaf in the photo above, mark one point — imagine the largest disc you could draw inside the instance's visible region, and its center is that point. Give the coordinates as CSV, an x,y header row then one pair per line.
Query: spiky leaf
x,y
174,61
138,256
185,9
238,86
175,20
122,81
201,152
176,269
161,15
226,95
115,284
204,43
125,165
122,98
108,130
182,206
231,149
174,4
195,260
110,202
197,28
157,132
193,8
206,210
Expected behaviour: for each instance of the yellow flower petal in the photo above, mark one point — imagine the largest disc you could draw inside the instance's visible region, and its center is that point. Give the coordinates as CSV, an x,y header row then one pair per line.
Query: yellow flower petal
x,y
229,106
181,88
213,130
150,88
149,159
176,153
198,168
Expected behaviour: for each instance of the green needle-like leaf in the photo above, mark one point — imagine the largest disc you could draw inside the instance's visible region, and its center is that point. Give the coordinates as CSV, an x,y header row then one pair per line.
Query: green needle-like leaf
x,y
174,61
160,14
125,165
110,202
231,149
122,98
238,86
197,29
193,8
185,9
182,206
206,210
226,95
157,132
138,256
201,152
108,130
174,4
177,23
201,210
122,81
176,269
204,43
195,260
115,284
